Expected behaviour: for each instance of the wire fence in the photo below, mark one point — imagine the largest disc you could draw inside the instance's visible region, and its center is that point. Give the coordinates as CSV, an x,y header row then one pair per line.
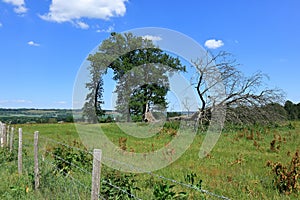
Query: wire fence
x,y
54,164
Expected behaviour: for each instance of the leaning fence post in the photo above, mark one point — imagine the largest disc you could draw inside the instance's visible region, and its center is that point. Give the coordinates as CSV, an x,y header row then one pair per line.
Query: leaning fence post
x,y
20,152
96,174
11,142
36,161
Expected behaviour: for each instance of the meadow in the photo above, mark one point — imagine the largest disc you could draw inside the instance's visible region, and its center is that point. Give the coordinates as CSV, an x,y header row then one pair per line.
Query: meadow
x,y
239,166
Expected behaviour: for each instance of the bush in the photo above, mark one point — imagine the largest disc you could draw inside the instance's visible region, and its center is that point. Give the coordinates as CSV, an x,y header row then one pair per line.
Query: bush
x,y
66,158
286,178
125,182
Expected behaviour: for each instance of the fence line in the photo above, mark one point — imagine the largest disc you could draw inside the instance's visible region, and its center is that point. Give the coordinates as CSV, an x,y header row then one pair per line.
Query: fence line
x,y
135,168
171,180
97,160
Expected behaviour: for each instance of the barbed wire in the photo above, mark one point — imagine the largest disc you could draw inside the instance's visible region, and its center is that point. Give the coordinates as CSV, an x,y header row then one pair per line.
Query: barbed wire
x,y
171,180
66,174
120,189
68,162
125,164
69,176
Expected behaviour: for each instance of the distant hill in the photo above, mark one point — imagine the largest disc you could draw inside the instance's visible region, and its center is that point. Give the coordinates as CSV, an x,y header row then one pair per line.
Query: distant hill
x,y
31,115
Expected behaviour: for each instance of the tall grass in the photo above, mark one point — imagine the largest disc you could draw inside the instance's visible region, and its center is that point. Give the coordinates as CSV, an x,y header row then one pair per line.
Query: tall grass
x,y
235,168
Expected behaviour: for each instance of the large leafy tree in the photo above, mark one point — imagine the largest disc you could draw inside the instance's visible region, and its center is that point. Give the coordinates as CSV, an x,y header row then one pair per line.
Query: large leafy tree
x,y
293,110
140,70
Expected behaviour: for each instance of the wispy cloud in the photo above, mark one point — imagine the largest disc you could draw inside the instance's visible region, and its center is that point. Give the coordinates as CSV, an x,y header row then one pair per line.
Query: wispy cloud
x,y
21,101
283,60
108,30
3,101
1,24
32,43
18,101
60,102
152,37
213,43
82,25
74,10
19,5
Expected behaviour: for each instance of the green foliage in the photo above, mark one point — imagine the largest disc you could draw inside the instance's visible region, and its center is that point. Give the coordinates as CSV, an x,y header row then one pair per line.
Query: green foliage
x,y
172,125
146,94
7,156
293,110
287,177
164,191
125,182
66,158
191,178
122,53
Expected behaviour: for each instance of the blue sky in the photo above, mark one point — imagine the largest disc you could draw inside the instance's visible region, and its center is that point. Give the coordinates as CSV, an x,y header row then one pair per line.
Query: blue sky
x,y
43,43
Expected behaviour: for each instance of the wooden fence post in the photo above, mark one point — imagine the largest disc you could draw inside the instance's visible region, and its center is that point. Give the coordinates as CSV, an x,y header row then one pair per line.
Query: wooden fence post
x,y
11,141
96,174
1,134
36,161
4,135
7,135
20,152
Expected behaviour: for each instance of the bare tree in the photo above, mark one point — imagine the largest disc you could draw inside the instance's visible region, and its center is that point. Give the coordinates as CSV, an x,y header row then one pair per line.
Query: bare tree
x,y
247,99
187,105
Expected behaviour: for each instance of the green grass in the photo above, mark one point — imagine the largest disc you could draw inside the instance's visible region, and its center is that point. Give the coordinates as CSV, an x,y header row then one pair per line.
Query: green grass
x,y
235,168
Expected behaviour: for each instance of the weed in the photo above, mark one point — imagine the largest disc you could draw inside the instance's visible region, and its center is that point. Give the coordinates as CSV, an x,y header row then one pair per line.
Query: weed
x,y
125,182
286,178
122,143
66,158
164,191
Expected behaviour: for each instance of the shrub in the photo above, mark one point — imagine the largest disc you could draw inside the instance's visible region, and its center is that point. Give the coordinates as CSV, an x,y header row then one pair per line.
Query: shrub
x,y
65,158
125,182
286,178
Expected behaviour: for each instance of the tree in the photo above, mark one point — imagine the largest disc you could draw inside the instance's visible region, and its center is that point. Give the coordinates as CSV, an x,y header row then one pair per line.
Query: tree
x,y
186,104
140,70
292,110
245,98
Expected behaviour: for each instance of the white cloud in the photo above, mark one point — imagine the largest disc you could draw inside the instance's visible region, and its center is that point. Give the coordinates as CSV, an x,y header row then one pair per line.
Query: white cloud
x,y
108,30
21,101
152,37
20,7
60,102
1,24
15,101
213,43
32,43
81,25
73,10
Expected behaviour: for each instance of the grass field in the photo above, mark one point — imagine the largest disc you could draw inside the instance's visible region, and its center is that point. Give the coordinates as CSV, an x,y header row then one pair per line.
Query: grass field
x,y
236,168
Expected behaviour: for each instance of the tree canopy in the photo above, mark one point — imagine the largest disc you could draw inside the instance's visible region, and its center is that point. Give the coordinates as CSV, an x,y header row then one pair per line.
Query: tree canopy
x,y
140,70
